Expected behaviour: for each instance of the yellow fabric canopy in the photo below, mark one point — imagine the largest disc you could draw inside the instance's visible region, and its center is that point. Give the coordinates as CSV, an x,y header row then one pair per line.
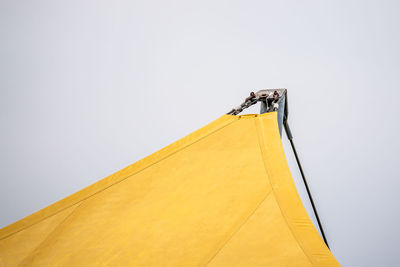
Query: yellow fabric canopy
x,y
221,196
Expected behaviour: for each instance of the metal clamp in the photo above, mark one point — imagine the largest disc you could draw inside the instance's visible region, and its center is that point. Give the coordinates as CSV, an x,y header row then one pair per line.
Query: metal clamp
x,y
269,96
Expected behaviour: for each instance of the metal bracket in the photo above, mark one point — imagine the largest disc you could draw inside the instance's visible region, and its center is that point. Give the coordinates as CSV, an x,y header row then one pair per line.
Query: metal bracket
x,y
264,95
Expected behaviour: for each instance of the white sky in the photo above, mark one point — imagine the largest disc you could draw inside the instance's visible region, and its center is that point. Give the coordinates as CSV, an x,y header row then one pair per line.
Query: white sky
x,y
88,87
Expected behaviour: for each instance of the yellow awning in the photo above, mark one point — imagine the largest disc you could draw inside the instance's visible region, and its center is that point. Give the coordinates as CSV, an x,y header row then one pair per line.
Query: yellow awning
x,y
221,196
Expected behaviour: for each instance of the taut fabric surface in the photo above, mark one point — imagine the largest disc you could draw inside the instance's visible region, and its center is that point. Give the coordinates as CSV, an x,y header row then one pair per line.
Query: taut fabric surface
x,y
221,196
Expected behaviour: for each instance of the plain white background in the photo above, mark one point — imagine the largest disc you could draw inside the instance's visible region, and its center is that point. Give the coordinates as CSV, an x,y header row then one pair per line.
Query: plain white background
x,y
89,87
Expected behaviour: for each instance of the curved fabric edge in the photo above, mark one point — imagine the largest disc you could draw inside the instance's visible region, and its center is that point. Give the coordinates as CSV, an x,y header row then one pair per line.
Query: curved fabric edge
x,y
287,196
116,177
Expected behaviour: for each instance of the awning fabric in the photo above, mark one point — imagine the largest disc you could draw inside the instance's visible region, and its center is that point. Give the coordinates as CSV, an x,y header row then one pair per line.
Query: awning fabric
x,y
221,196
